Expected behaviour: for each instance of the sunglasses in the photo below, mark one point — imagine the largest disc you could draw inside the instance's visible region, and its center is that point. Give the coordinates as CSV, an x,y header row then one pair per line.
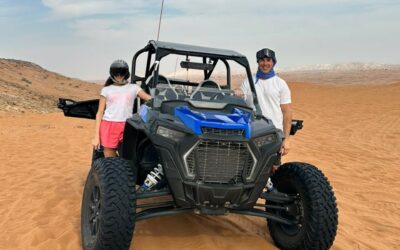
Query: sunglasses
x,y
119,72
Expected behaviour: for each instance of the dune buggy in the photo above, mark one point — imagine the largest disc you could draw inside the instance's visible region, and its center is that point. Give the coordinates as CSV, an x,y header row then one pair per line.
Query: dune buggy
x,y
205,150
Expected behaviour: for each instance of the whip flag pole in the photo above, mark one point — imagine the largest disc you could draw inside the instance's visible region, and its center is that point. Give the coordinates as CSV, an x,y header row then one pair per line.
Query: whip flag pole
x,y
159,23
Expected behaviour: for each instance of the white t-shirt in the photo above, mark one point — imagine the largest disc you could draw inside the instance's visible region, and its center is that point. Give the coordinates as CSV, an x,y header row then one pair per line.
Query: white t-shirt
x,y
271,93
119,101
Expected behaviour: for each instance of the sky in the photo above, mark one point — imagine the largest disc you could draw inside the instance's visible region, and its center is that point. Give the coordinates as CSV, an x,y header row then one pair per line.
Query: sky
x,y
81,38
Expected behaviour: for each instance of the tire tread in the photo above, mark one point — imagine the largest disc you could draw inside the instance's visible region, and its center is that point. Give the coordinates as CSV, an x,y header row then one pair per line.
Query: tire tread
x,y
321,224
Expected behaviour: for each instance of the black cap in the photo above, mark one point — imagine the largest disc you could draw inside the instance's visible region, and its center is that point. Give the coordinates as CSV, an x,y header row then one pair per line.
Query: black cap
x,y
269,53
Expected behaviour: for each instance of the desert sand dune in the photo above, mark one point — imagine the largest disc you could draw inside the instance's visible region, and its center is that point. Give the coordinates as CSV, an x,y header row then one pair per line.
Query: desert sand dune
x,y
351,133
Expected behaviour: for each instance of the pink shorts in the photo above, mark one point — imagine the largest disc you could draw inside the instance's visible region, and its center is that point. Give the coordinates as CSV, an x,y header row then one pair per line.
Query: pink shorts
x,y
111,133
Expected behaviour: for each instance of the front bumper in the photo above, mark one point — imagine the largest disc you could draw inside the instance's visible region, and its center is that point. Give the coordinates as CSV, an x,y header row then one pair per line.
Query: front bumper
x,y
215,174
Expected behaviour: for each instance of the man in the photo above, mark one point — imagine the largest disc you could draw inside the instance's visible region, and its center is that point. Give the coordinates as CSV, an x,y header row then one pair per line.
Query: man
x,y
273,95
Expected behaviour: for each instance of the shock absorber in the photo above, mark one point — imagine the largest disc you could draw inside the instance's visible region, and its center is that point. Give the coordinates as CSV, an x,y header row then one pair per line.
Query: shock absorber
x,y
153,178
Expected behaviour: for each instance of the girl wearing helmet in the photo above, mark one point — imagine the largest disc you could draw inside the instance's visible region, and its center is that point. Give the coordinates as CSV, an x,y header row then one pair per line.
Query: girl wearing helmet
x,y
115,107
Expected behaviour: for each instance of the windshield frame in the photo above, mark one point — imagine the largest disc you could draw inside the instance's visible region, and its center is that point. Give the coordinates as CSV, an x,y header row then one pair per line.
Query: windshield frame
x,y
162,49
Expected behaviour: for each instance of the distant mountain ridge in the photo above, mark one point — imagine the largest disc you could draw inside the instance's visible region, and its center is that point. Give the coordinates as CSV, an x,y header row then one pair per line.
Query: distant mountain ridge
x,y
344,73
353,66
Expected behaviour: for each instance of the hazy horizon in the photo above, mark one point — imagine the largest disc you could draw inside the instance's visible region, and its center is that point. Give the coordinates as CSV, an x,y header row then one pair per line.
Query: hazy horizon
x,y
80,38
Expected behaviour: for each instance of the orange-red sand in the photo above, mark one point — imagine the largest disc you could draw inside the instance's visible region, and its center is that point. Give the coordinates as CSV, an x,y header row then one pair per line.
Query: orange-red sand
x,y
351,133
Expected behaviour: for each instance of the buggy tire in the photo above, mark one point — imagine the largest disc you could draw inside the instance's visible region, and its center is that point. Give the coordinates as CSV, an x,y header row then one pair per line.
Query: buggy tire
x,y
108,205
316,208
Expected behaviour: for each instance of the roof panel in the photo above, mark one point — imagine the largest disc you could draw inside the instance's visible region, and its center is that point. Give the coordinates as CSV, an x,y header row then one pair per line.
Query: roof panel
x,y
185,48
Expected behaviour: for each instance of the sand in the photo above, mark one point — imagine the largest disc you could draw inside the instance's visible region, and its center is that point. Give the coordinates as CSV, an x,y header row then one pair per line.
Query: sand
x,y
351,133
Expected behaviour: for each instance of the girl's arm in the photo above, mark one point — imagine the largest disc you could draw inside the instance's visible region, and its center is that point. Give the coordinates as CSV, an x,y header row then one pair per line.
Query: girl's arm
x,y
99,117
144,95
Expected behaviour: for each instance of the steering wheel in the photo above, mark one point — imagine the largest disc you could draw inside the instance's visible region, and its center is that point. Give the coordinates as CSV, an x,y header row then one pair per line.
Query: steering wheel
x,y
162,79
210,84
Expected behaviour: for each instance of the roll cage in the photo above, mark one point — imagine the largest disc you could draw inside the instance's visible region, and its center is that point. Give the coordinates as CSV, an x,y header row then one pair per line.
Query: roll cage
x,y
157,50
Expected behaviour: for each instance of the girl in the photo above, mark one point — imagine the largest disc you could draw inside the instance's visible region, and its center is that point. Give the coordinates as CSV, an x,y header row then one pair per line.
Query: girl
x,y
115,106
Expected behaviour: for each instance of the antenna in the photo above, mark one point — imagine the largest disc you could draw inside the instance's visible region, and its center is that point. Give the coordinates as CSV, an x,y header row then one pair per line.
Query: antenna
x,y
159,23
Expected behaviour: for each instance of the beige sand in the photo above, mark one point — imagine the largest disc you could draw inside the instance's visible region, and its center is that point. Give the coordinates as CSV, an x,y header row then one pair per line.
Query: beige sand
x,y
351,132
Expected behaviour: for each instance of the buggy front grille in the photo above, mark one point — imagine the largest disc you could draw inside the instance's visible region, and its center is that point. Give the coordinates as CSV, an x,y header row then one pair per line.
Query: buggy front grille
x,y
220,161
219,131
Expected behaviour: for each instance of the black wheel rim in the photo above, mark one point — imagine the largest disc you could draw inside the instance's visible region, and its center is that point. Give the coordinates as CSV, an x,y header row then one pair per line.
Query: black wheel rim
x,y
295,213
94,211
295,209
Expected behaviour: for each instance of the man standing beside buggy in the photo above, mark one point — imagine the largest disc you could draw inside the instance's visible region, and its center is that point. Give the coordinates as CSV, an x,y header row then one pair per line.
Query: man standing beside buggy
x,y
273,95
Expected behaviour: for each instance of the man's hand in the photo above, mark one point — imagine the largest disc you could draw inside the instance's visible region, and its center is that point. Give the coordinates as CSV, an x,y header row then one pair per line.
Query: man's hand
x,y
287,124
274,168
239,92
285,147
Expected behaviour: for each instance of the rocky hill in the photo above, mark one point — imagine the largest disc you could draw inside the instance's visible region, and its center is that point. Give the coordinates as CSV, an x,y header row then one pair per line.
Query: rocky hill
x,y
27,87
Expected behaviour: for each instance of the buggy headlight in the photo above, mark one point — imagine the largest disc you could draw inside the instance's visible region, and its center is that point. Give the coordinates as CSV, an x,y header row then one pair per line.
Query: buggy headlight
x,y
170,133
264,140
